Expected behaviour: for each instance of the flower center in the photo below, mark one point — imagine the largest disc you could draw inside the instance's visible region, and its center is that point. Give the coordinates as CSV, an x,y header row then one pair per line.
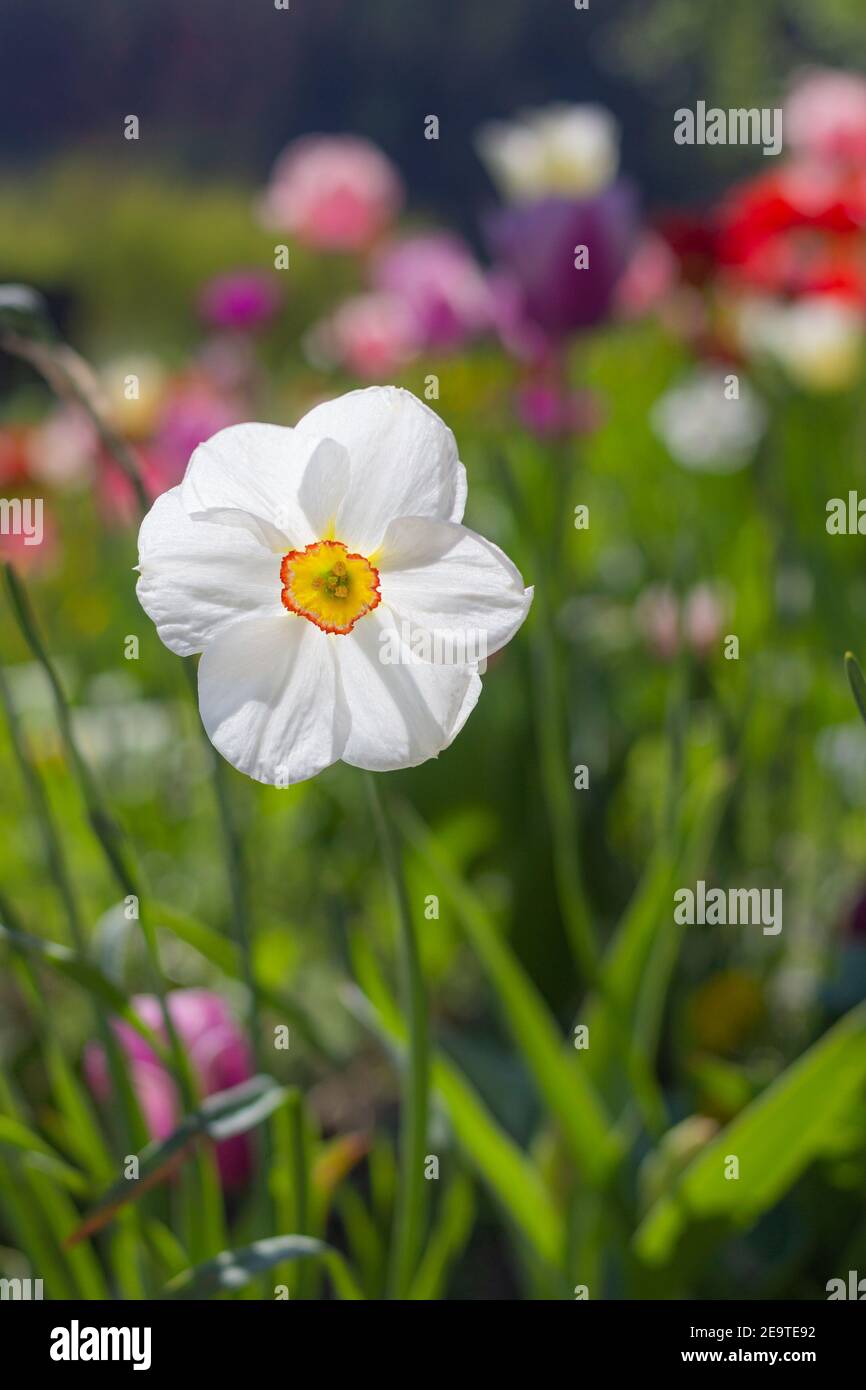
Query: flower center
x,y
328,586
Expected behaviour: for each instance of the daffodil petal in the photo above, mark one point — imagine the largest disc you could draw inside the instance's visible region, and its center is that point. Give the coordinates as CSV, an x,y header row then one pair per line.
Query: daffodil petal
x,y
403,461
269,699
283,486
401,711
195,577
460,594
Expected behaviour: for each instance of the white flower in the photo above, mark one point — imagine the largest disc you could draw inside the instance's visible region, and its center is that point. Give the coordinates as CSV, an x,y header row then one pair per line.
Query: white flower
x,y
817,340
303,563
569,151
711,422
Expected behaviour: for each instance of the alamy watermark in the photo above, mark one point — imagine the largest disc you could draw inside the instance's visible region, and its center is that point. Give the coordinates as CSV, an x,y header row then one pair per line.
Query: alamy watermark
x,y
442,646
712,907
23,1289
22,516
737,126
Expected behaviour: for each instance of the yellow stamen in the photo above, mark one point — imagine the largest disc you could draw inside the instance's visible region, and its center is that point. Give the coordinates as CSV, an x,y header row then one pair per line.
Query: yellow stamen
x,y
328,586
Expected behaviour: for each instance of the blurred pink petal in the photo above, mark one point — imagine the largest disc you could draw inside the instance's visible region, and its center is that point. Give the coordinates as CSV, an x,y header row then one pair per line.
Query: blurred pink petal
x,y
648,277
29,557
332,192
63,447
191,413
825,115
441,283
218,1052
657,619
373,336
703,619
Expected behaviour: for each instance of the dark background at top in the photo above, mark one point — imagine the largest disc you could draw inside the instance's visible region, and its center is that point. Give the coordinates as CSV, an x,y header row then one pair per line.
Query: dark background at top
x,y
221,85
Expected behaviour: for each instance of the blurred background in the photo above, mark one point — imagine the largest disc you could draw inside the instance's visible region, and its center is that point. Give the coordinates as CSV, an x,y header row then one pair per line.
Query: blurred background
x,y
699,388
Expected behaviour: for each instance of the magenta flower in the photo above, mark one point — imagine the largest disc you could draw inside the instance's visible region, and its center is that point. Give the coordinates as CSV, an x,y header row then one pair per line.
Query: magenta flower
x,y
192,412
442,285
219,1055
241,299
332,192
535,245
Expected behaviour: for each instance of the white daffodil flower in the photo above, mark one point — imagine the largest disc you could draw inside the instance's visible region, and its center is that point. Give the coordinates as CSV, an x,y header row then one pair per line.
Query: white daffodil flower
x,y
340,607
558,151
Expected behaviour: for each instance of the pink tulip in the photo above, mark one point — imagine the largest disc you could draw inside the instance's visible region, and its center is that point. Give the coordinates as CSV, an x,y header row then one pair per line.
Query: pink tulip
x,y
332,192
219,1055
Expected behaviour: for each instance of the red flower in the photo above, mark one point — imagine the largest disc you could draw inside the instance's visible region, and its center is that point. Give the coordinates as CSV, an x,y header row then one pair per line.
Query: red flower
x,y
798,231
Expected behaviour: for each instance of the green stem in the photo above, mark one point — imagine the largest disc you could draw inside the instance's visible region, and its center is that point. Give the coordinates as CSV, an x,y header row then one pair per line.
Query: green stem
x,y
300,1186
409,1214
237,878
108,833
551,737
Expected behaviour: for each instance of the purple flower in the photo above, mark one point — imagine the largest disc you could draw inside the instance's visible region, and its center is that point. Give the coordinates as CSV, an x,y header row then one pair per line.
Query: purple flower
x,y
219,1055
441,284
535,245
244,299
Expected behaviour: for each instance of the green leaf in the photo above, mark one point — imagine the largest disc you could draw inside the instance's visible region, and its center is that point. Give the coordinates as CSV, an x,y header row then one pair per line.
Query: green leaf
x,y
857,682
224,954
218,1117
512,1178
774,1139
447,1241
72,966
16,1135
561,1078
233,1269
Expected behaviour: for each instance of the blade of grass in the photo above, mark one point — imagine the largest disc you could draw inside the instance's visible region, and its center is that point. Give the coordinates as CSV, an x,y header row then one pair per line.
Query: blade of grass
x,y
225,955
561,1079
447,1241
16,1135
857,682
774,1138
133,1126
108,833
220,1116
71,966
231,1270
512,1179
552,742
411,1196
